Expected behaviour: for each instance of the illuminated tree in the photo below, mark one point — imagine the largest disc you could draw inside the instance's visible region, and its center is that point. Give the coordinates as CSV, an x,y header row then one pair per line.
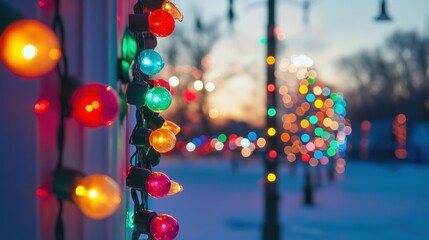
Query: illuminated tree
x,y
314,126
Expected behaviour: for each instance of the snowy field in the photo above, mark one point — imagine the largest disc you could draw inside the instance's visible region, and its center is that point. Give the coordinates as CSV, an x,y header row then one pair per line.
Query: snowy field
x,y
369,201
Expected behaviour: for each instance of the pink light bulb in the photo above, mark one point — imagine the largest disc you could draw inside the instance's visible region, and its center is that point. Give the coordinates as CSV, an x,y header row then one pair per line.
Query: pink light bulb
x,y
158,184
164,227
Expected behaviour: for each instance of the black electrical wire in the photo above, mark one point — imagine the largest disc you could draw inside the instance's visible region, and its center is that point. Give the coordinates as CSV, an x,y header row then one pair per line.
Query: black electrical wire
x,y
140,155
62,70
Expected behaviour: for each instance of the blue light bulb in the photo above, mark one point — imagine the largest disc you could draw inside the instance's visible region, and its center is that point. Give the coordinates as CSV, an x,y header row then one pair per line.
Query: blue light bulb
x,y
150,62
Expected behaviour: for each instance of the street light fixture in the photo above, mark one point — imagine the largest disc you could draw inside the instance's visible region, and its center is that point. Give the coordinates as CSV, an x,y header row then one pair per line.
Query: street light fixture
x,y
383,16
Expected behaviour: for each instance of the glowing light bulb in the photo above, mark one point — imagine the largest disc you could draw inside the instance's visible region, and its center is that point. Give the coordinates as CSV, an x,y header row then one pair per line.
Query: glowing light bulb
x,y
271,177
162,140
29,48
41,106
271,131
159,185
98,196
174,81
198,85
164,227
158,99
128,46
189,95
172,9
161,23
29,51
210,87
175,188
151,62
161,83
174,128
95,105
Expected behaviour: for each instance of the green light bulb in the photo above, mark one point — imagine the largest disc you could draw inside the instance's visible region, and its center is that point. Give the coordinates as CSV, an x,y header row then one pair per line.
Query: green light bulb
x,y
311,81
318,131
222,138
313,119
128,46
158,99
130,220
331,152
271,112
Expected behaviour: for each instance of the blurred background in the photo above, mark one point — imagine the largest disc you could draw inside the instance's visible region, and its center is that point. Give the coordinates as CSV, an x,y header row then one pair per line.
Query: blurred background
x,y
352,111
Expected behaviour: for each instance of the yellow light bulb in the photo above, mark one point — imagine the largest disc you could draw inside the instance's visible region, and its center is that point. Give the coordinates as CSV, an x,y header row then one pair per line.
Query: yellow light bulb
x,y
175,188
271,177
303,89
174,128
318,103
98,196
271,132
172,9
162,140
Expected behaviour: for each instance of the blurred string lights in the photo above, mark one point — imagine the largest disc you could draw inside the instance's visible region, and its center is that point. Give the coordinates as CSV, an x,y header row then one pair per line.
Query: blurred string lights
x,y
152,134
364,139
329,127
400,132
179,76
31,50
315,129
204,145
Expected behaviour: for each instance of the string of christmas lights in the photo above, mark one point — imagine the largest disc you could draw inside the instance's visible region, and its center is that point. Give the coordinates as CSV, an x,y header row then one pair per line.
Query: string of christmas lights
x,y
152,134
64,111
93,105
31,50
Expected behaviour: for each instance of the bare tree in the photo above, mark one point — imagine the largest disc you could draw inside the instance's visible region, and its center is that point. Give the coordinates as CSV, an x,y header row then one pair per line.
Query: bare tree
x,y
196,45
390,79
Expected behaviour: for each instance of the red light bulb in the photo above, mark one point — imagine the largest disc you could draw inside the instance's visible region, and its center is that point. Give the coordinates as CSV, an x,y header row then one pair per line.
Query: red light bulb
x,y
41,106
190,95
164,227
272,154
95,104
161,83
271,87
161,23
158,184
305,157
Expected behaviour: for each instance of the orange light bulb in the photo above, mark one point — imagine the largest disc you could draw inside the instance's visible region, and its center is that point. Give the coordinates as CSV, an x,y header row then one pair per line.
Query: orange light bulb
x,y
174,128
172,9
162,140
98,196
29,48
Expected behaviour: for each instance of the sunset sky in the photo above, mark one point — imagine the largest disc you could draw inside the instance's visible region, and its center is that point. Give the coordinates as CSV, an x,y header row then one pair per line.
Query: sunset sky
x,y
336,28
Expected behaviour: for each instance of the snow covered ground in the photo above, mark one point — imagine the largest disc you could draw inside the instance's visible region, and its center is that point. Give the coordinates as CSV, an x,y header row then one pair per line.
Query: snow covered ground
x,y
370,201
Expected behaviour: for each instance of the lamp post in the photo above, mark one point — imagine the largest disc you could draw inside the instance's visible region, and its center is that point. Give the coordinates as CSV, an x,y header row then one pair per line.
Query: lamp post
x,y
271,227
